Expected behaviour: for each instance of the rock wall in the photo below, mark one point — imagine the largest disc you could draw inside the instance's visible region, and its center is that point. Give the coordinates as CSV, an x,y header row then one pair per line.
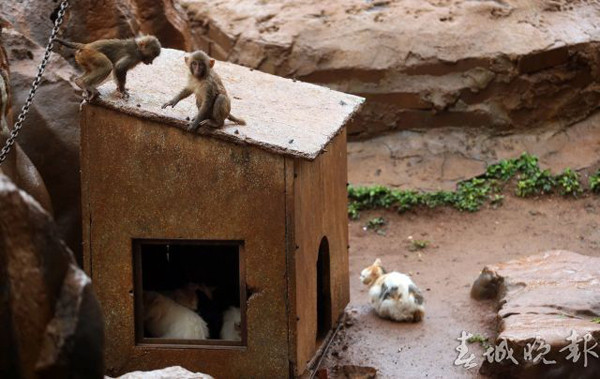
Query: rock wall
x,y
506,65
50,135
542,299
50,321
89,20
17,165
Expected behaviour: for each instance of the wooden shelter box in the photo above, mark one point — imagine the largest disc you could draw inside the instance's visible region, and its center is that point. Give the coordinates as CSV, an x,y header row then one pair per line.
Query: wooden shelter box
x,y
254,216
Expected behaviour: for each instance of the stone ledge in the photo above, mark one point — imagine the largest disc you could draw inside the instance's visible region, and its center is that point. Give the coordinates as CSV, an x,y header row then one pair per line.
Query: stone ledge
x,y
548,295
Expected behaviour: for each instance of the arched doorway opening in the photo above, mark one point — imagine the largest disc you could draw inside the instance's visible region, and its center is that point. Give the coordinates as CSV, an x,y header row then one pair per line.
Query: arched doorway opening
x,y
323,291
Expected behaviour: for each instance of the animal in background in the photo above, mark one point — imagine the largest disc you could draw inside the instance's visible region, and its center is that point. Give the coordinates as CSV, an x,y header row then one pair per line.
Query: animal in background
x,y
214,105
486,286
164,318
186,296
232,324
393,295
101,57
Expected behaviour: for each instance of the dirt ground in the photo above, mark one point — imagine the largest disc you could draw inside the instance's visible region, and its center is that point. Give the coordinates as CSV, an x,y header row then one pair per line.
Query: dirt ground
x,y
460,245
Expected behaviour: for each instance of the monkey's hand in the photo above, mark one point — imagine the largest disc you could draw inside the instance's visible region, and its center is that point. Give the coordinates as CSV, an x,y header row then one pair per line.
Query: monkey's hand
x,y
209,122
170,103
195,124
123,93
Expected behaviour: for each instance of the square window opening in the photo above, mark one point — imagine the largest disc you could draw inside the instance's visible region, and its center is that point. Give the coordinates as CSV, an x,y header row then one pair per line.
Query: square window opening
x,y
189,293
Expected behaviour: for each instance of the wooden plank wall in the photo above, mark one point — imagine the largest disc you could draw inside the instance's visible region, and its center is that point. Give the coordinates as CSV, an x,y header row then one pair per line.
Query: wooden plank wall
x,y
142,179
320,209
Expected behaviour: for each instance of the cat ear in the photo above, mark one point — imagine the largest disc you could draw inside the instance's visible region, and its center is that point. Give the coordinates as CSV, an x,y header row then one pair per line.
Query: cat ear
x,y
377,262
211,62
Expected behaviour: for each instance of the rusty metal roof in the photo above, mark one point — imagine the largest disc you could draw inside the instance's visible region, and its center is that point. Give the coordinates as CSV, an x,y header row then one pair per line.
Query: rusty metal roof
x,y
283,116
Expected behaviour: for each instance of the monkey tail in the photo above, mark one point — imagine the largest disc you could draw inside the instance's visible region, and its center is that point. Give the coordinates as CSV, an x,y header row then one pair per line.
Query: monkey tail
x,y
72,45
238,121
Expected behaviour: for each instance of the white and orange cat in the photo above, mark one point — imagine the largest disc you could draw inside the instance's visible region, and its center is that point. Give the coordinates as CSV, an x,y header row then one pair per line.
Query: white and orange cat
x,y
393,295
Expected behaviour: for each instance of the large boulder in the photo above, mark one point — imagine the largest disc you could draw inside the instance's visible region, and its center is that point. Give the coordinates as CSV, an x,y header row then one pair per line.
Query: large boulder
x,y
50,321
17,165
50,135
420,64
547,296
89,20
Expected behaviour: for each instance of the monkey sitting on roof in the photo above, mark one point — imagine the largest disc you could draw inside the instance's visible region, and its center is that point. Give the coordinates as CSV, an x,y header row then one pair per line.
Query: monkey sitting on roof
x,y
212,100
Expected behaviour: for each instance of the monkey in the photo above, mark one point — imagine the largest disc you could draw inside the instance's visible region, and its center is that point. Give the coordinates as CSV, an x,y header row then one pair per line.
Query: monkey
x,y
486,286
101,57
213,103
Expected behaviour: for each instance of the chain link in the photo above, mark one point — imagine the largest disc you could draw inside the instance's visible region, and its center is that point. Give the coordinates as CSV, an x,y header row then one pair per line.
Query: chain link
x,y
38,78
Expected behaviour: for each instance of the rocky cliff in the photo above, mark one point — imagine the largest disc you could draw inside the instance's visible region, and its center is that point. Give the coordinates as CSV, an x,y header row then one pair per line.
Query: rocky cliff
x,y
505,65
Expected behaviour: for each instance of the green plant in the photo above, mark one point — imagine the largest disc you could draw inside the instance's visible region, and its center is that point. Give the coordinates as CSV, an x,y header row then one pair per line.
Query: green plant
x,y
376,223
595,182
353,210
596,320
471,194
439,198
503,170
417,244
370,197
568,183
406,200
497,200
527,164
380,197
483,340
535,183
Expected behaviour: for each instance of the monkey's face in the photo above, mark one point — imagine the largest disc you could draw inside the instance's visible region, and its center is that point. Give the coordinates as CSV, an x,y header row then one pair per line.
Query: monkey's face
x,y
198,69
148,60
149,48
199,64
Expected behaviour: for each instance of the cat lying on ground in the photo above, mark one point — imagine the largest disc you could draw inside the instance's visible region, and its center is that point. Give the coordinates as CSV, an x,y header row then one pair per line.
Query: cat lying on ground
x,y
393,295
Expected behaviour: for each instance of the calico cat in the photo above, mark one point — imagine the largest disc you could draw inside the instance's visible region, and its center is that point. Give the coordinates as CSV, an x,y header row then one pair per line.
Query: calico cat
x,y
232,324
164,318
393,295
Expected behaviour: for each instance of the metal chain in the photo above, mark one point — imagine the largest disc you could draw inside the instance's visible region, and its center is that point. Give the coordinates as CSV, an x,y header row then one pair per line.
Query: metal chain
x,y
38,78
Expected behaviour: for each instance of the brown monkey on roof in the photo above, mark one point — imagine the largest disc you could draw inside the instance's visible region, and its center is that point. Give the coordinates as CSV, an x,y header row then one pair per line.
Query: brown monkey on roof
x,y
213,103
101,57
